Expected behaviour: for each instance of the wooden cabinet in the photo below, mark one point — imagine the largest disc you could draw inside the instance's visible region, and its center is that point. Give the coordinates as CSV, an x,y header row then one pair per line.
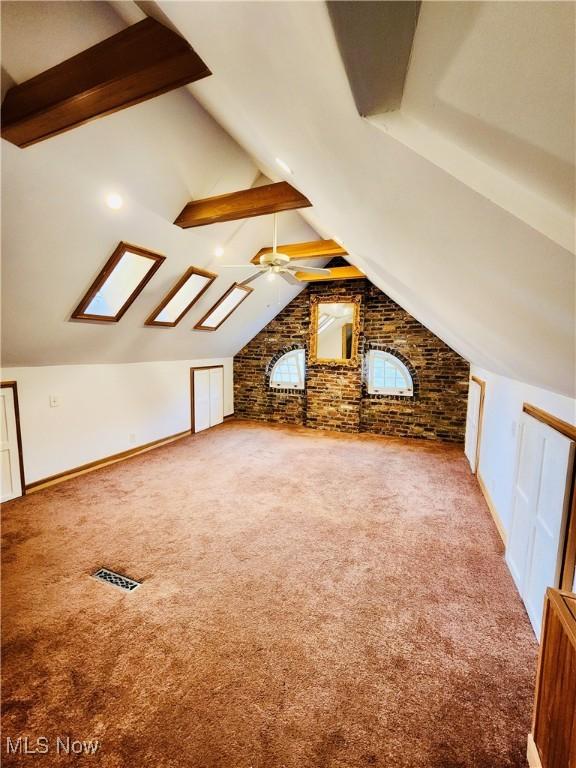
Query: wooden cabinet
x,y
552,743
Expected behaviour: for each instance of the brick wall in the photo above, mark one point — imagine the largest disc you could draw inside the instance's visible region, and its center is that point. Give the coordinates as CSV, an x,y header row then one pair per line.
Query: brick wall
x,y
336,397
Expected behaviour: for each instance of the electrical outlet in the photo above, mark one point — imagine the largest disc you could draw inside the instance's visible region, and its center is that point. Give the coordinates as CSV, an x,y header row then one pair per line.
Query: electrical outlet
x,y
54,401
132,438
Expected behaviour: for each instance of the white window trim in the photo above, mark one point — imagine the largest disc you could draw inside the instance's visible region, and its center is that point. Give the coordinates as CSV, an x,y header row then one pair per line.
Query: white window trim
x,y
299,354
397,363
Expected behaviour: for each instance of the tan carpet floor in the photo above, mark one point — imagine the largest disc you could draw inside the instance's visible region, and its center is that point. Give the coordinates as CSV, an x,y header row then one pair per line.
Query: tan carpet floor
x,y
309,600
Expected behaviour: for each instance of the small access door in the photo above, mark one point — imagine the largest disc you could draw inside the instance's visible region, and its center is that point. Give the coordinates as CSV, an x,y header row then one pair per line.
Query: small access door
x,y
216,396
201,399
12,477
207,397
539,513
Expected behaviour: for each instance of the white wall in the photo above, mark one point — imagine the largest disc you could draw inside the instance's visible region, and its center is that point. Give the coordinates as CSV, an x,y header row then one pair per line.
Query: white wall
x,y
103,409
502,409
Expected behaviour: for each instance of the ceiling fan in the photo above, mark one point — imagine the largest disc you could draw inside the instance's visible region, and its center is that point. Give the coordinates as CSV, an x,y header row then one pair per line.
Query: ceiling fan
x,y
276,263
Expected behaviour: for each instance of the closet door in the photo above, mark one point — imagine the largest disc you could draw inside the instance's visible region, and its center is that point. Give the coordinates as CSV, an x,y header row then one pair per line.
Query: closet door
x,y
216,396
541,496
201,399
472,424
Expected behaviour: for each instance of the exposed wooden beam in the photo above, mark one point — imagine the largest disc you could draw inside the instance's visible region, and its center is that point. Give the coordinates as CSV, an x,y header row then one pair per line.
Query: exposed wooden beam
x,y
256,201
312,250
375,42
336,273
141,62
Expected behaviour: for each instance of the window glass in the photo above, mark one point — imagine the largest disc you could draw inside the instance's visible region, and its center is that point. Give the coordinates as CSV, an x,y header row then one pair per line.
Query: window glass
x,y
289,371
387,375
121,279
224,307
183,299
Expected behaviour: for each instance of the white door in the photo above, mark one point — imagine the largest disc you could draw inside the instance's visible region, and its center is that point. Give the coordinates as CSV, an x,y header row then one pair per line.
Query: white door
x,y
472,423
216,396
201,399
11,482
539,513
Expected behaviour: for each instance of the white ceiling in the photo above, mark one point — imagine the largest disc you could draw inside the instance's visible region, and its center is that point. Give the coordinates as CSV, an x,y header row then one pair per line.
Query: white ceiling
x,y
58,233
493,287
490,98
482,270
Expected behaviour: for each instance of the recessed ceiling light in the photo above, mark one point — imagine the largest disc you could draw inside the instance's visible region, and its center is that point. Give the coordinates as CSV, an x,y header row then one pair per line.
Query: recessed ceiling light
x,y
218,251
283,165
114,201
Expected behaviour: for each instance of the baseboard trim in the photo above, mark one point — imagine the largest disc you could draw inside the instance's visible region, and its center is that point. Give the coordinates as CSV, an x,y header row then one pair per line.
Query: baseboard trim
x,y
492,508
532,753
229,416
83,469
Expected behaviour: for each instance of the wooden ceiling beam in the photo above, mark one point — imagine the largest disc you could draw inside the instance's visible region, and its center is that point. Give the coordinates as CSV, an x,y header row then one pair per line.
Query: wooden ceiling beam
x,y
256,201
336,273
141,62
315,249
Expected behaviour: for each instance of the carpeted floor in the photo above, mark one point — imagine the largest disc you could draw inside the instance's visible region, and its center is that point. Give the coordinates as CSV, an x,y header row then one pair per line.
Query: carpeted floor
x,y
309,601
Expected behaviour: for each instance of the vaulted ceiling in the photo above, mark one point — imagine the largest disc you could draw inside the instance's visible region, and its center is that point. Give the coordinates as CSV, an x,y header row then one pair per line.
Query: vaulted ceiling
x,y
58,232
458,204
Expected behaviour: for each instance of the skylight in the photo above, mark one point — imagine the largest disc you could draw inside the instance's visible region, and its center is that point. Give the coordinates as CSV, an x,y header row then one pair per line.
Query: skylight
x,y
191,286
224,307
120,281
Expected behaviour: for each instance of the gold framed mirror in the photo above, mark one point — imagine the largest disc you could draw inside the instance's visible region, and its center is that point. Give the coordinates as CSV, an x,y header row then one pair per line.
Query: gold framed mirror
x,y
334,329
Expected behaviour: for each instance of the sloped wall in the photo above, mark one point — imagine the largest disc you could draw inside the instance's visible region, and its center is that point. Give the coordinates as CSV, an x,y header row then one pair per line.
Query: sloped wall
x,y
503,404
336,397
102,409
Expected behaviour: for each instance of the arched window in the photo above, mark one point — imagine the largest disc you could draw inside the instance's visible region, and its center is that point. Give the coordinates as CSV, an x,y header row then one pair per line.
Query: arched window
x,y
387,375
288,371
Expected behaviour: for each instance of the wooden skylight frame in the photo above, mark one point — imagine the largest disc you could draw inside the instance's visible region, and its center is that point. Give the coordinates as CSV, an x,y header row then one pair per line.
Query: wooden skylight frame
x,y
156,259
201,324
152,319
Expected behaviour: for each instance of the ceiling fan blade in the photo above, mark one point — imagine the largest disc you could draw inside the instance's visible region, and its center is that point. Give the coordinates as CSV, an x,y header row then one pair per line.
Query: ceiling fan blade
x,y
289,277
241,266
313,270
255,276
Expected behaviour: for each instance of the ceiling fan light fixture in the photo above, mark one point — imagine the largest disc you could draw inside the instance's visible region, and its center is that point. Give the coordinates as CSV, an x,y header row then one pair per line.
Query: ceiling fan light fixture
x,y
273,263
274,259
